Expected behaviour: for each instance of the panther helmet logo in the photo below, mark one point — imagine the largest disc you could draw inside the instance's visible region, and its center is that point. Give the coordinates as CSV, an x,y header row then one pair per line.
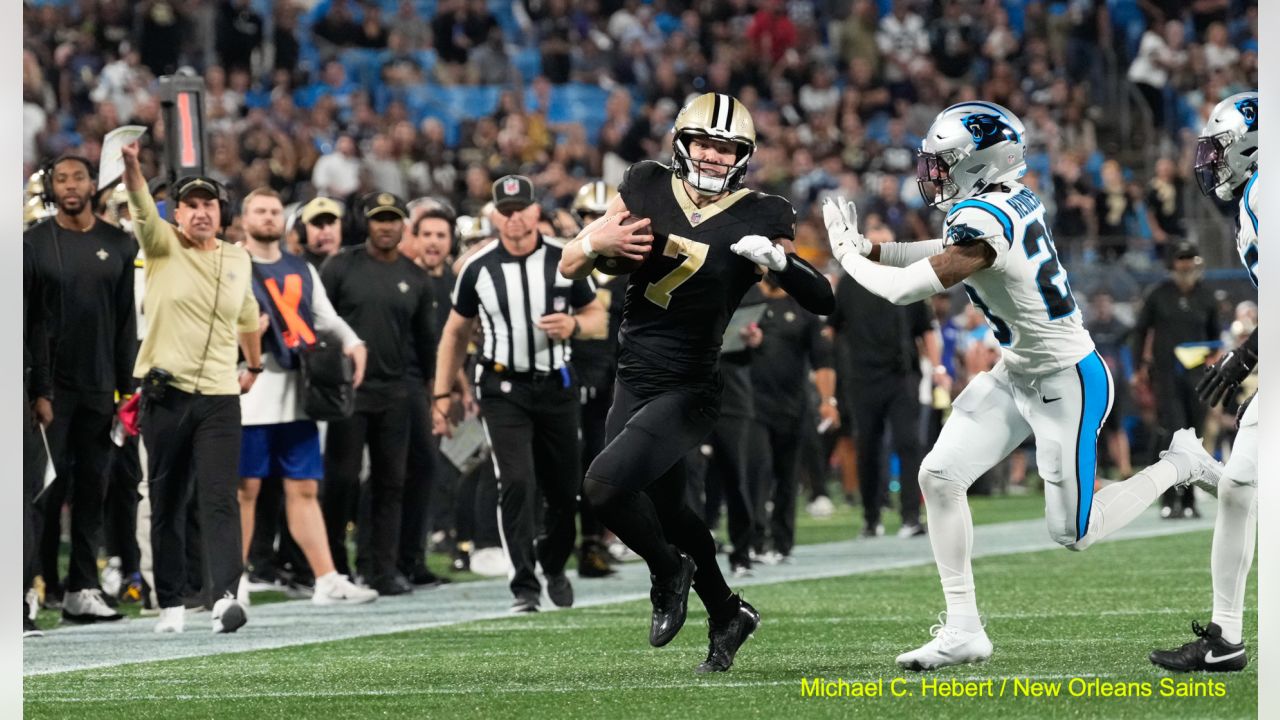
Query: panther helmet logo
x,y
1248,107
988,130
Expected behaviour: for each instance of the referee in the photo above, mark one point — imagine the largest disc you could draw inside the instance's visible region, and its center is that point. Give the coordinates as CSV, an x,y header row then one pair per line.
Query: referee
x,y
528,395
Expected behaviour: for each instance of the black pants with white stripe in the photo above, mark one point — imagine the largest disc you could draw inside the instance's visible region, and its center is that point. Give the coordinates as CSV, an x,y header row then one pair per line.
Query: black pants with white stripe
x,y
533,428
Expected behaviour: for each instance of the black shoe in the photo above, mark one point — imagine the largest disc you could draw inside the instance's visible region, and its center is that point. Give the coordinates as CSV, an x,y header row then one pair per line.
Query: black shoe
x,y
394,584
424,578
593,561
670,598
29,628
560,590
1208,652
727,637
525,604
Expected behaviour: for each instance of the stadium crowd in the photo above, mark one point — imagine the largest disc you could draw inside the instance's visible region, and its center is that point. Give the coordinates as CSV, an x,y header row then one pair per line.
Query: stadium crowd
x,y
432,101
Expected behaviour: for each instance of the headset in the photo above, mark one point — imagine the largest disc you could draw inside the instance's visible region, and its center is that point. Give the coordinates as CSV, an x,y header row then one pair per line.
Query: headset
x,y
46,187
219,193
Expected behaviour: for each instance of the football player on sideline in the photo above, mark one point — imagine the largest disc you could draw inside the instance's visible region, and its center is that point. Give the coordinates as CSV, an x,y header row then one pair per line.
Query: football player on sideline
x,y
1227,166
1050,381
711,236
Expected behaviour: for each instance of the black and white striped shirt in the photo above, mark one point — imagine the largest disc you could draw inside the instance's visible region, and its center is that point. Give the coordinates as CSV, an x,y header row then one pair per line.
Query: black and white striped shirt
x,y
509,293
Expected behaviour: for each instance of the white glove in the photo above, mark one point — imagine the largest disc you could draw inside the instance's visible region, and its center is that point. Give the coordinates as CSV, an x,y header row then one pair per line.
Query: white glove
x,y
841,219
761,251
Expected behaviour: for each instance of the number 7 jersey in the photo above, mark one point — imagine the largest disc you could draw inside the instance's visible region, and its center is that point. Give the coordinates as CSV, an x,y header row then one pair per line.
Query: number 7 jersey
x,y
679,301
1025,293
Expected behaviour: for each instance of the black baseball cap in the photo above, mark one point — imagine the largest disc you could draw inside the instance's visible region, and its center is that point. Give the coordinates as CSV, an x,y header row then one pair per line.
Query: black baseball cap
x,y
383,203
193,183
512,193
1186,249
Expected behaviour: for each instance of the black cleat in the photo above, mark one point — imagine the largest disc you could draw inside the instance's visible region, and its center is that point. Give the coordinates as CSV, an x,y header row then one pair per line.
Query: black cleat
x,y
727,637
1208,652
560,590
670,597
525,604
593,560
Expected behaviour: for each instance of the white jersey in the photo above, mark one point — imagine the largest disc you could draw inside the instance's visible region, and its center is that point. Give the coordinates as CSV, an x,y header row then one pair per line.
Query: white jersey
x,y
1247,235
1024,294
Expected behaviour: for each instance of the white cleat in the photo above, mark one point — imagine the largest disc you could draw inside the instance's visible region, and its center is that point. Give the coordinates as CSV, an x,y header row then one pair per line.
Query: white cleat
x,y
172,620
949,646
1205,471
336,589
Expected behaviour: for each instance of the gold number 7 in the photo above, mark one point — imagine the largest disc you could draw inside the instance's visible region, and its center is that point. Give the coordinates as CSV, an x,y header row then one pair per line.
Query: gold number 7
x,y
695,254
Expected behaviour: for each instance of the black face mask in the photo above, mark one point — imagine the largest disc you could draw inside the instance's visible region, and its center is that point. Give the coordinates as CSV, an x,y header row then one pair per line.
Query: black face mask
x,y
933,177
1210,159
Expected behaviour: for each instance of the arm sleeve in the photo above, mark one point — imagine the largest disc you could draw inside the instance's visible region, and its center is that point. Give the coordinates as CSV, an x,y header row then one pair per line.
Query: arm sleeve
x,y
900,286
809,287
126,322
327,319
902,254
581,293
154,234
465,300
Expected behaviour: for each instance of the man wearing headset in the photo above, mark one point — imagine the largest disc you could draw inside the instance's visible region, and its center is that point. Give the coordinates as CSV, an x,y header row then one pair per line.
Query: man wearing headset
x,y
199,307
85,267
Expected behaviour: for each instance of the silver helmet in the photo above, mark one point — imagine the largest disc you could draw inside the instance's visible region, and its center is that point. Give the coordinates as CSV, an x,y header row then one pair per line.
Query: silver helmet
x,y
969,146
1227,154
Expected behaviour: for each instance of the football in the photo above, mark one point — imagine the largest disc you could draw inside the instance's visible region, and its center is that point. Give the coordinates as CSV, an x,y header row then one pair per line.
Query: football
x,y
620,265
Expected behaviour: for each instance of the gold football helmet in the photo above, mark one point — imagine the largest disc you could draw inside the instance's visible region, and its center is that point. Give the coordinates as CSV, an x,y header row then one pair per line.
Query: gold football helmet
x,y
593,200
34,208
472,229
720,117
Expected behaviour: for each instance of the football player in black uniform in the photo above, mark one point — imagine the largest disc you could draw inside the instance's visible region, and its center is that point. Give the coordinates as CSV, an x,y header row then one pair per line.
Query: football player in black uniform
x,y
711,238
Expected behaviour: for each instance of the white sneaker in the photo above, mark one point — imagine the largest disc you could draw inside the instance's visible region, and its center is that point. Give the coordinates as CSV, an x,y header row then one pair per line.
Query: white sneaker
x,y
490,562
228,615
33,603
172,620
821,507
87,606
336,589
1205,471
949,646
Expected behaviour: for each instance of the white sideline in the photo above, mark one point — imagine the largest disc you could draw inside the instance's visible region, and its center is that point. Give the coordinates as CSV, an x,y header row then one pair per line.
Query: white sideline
x,y
298,622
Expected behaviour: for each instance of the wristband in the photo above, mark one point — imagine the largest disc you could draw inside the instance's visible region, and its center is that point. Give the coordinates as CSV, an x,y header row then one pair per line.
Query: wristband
x,y
255,370
587,250
441,396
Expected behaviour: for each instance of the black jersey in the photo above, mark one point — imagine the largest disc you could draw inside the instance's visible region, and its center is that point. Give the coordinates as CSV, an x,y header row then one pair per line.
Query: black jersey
x,y
597,357
680,300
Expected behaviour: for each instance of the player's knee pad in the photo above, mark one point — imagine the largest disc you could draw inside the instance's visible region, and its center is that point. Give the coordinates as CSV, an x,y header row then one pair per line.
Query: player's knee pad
x,y
602,495
939,483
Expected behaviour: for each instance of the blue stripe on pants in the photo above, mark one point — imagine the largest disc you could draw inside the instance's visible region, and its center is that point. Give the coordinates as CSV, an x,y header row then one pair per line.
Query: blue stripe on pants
x,y
1095,392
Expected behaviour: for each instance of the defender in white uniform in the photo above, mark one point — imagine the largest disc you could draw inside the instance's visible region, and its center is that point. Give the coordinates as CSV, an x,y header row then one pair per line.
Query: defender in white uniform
x,y
1227,166
1050,381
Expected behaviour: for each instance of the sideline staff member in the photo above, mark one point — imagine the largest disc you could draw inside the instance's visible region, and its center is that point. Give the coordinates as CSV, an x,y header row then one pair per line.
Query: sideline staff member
x,y
199,302
528,396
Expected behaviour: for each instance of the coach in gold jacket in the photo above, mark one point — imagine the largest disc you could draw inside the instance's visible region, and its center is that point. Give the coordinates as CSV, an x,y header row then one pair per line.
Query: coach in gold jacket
x,y
199,306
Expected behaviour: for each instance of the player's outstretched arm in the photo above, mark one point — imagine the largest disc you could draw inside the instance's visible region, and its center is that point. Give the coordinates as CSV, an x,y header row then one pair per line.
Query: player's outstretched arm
x,y
605,236
923,278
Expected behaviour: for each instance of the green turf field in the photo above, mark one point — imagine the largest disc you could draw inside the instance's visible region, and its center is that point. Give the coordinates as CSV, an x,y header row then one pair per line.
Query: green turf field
x,y
1053,616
